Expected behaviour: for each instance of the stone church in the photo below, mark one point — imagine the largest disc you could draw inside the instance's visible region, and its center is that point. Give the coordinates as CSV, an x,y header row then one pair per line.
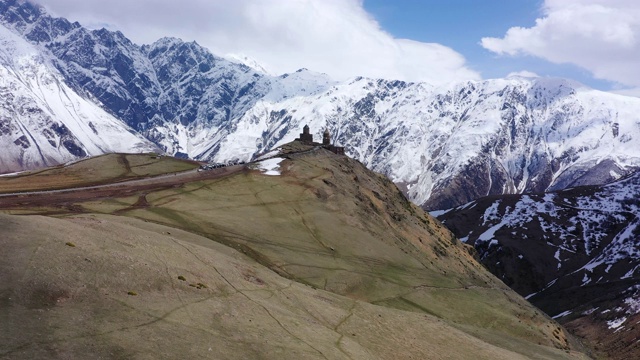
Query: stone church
x,y
307,139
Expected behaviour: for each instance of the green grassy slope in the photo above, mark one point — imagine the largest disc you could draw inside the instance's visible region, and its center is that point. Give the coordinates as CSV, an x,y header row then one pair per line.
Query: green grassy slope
x,y
118,294
102,169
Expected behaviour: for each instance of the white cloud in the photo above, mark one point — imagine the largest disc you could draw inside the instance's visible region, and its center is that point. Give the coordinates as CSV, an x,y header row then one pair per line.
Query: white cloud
x,y
523,73
628,92
602,36
337,37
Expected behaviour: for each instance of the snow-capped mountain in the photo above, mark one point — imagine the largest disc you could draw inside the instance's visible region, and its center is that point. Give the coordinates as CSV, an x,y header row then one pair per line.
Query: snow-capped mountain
x,y
176,94
43,122
574,253
250,62
444,146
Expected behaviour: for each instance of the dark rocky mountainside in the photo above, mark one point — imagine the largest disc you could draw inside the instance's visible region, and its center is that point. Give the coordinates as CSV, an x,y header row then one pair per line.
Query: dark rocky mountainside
x,y
574,253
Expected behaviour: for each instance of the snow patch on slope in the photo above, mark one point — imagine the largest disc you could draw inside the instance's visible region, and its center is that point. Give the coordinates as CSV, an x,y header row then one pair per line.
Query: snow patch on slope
x,y
270,166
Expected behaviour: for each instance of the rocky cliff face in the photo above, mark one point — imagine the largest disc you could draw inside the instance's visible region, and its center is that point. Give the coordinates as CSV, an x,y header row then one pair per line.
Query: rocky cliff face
x,y
444,146
574,253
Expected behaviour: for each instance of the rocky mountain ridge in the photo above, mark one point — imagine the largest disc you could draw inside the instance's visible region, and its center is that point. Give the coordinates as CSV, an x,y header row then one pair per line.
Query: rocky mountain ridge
x,y
444,145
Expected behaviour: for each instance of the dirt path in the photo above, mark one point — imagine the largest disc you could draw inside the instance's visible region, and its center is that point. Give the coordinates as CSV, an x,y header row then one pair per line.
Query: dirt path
x,y
120,189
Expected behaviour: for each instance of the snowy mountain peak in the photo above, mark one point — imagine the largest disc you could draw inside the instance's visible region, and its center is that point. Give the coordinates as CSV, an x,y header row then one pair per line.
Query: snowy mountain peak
x,y
21,11
173,44
250,62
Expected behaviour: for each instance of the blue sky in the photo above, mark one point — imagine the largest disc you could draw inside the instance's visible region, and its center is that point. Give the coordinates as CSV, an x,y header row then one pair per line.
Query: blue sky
x,y
596,42
460,24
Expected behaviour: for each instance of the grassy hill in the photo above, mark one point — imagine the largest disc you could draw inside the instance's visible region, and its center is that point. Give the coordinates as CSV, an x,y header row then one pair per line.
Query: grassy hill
x,y
103,169
326,260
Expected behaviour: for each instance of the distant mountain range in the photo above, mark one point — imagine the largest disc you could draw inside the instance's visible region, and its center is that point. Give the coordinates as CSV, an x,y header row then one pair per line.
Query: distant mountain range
x,y
574,253
444,146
